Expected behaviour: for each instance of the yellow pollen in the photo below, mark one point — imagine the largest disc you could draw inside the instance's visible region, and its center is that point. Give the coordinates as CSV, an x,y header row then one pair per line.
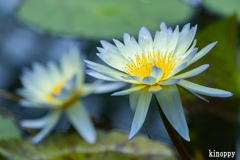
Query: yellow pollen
x,y
55,90
143,64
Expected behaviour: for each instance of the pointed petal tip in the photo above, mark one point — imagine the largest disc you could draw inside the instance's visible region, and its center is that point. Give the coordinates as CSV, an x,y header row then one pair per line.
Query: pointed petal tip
x,y
162,23
155,92
35,141
187,138
114,94
92,140
131,137
143,27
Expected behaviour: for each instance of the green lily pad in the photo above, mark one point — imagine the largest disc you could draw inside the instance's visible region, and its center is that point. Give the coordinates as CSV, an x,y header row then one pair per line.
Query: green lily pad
x,y
223,7
70,146
8,130
105,19
223,71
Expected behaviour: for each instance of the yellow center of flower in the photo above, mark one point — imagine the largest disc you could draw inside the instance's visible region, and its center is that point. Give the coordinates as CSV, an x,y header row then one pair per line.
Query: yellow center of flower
x,y
143,64
55,90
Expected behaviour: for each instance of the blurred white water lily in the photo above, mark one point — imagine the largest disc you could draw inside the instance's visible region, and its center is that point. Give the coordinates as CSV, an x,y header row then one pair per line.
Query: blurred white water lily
x,y
152,65
59,89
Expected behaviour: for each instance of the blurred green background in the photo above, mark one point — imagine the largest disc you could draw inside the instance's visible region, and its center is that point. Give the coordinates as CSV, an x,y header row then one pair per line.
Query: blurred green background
x,y
33,30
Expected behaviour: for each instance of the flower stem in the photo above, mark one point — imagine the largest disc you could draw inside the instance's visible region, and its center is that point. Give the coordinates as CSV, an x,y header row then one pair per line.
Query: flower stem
x,y
9,95
173,135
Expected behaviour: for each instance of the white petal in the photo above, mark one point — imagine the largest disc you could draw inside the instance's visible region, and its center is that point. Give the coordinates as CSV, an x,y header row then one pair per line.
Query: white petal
x,y
156,72
155,89
170,102
133,79
204,90
120,58
195,94
188,57
163,38
127,41
115,63
149,80
124,50
128,91
36,123
98,75
148,46
170,81
136,46
141,112
48,127
109,87
193,72
173,40
79,118
40,71
181,49
178,69
53,71
133,99
202,53
88,88
110,47
183,33
170,31
144,34
105,70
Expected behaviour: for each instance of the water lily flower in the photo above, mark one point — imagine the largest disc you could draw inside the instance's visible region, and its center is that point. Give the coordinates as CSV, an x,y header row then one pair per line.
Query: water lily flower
x,y
59,89
152,67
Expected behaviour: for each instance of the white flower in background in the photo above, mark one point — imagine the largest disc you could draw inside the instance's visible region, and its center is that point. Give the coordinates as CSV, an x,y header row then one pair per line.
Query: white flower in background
x,y
152,65
59,89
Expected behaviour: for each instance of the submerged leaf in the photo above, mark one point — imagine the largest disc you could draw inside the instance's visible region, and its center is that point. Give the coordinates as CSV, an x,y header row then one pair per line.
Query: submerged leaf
x,y
112,145
102,18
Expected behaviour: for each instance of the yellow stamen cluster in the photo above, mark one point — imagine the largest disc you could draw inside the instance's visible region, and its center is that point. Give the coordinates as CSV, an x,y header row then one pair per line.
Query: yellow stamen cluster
x,y
55,90
143,64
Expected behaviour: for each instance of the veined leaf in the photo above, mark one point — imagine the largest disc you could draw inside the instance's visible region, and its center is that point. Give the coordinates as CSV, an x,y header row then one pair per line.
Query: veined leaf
x,y
112,145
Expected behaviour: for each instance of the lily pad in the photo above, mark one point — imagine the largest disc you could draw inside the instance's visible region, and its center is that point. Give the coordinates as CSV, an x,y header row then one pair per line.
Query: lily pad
x,y
8,130
94,19
223,71
70,146
223,7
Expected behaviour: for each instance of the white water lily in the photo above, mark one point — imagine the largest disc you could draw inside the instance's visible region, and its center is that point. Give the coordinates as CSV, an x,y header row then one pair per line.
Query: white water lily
x,y
59,89
152,65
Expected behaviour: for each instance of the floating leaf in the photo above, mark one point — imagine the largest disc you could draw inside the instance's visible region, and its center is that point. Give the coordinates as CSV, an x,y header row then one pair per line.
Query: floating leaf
x,y
102,18
112,145
222,73
8,129
223,7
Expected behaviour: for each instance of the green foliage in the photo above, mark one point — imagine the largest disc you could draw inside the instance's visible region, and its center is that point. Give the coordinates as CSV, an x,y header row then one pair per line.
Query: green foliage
x,y
70,146
105,19
222,73
8,130
223,7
